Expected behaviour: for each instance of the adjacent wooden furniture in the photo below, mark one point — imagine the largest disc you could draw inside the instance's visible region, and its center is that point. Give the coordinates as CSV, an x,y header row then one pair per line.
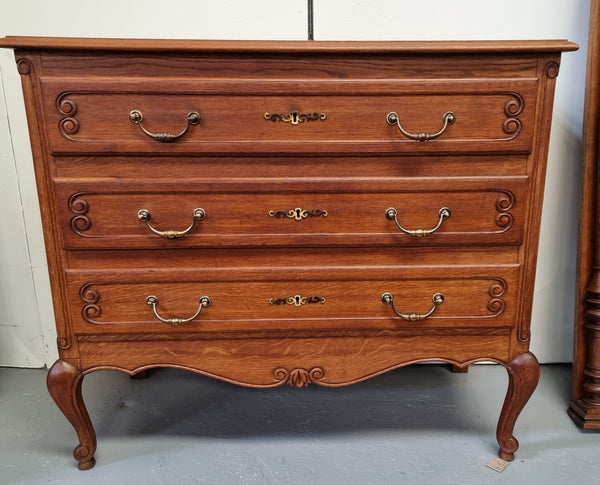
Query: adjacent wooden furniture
x,y
585,401
298,213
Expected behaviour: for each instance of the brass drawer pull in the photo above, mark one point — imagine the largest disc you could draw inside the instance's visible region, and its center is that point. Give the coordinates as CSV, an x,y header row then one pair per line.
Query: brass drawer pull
x,y
144,215
152,301
393,119
388,299
136,117
392,215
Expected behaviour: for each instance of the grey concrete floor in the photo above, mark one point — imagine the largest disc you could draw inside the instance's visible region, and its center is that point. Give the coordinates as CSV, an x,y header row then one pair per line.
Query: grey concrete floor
x,y
416,425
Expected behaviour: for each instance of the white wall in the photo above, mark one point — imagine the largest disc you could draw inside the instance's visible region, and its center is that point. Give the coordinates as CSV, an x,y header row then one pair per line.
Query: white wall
x,y
27,336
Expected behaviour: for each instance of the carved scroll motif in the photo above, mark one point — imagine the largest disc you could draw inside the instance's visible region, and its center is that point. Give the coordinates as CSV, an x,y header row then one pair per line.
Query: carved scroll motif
x,y
80,207
512,109
504,204
69,125
496,304
299,377
63,343
90,296
551,70
24,67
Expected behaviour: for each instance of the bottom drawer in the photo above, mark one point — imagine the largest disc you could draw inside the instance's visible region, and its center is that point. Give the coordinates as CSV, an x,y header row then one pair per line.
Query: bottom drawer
x,y
376,299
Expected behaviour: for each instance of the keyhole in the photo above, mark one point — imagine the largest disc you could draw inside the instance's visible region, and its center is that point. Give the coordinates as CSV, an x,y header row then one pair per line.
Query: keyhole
x,y
298,214
297,298
295,118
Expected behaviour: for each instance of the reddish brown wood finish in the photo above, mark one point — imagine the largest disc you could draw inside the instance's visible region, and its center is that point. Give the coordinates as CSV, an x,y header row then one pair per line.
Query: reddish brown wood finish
x,y
585,400
344,212
241,299
294,301
523,375
254,47
93,115
64,384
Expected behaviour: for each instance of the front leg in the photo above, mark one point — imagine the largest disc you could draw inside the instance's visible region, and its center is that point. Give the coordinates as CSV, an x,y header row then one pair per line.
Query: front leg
x,y
64,384
523,376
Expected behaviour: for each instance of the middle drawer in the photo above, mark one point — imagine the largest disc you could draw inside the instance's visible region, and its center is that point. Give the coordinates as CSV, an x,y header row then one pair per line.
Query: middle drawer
x,y
167,214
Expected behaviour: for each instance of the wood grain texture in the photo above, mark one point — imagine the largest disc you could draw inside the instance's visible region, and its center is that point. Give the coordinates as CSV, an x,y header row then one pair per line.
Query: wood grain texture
x,y
257,212
295,250
295,47
476,297
491,115
585,399
344,359
523,377
64,385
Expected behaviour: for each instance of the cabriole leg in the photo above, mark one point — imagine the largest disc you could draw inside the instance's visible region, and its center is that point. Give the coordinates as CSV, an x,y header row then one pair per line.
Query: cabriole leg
x,y
64,385
523,377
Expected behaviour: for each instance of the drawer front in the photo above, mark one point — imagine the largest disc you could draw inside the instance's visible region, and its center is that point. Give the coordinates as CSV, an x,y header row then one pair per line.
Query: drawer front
x,y
85,116
225,300
175,215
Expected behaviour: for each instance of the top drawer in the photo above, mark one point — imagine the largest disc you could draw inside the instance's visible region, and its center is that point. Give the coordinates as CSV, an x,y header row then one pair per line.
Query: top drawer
x,y
126,116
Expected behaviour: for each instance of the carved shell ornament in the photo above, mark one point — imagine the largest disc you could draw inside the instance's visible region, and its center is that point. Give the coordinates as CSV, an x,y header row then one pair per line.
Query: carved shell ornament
x,y
299,377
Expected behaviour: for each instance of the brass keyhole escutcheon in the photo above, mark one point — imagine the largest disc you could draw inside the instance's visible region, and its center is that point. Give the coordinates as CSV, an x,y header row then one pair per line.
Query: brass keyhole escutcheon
x,y
295,117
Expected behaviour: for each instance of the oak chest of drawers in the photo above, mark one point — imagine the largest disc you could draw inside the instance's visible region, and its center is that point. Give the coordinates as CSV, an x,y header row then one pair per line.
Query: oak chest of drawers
x,y
273,213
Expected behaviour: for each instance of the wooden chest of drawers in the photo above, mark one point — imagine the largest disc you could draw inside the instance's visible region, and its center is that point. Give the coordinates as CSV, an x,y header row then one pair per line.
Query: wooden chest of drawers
x,y
273,213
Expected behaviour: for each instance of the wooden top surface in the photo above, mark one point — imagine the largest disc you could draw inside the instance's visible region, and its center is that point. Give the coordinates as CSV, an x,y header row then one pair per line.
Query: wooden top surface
x,y
382,47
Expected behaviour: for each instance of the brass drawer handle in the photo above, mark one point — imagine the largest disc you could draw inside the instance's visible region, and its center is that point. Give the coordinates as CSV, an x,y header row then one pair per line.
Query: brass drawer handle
x,y
388,299
144,215
136,117
392,215
152,301
393,119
